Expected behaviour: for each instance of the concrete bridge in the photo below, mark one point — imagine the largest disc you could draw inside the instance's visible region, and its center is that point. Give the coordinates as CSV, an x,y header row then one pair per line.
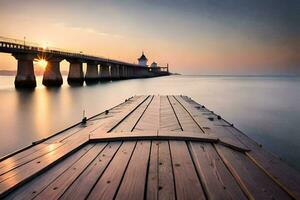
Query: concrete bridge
x,y
98,68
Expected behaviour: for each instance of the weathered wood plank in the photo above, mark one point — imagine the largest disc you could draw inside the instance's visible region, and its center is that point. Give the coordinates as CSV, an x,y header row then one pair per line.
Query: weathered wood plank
x,y
129,122
134,181
37,185
187,183
112,124
215,177
252,180
84,183
12,165
59,186
152,177
107,185
150,119
118,136
168,120
185,120
165,172
160,135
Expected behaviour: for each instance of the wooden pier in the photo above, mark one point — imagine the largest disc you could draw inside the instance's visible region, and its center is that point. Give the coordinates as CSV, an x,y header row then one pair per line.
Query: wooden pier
x,y
149,147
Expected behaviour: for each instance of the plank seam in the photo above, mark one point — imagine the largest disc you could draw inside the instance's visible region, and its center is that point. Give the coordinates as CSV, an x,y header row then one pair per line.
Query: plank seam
x,y
189,114
119,122
147,174
271,176
119,185
200,177
175,114
171,159
142,114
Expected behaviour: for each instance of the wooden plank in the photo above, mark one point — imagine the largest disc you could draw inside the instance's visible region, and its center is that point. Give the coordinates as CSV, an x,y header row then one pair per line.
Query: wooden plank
x,y
187,135
150,118
34,155
215,177
254,182
59,186
152,180
122,116
129,122
226,138
200,117
153,135
107,185
22,154
134,181
84,183
165,172
186,121
168,120
37,185
118,136
26,172
187,183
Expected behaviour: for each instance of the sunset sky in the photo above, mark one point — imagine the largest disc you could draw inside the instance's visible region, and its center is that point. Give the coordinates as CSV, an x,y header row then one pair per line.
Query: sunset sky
x,y
193,36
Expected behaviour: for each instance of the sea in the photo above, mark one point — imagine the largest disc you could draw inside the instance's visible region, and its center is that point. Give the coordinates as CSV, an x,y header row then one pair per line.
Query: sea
x,y
266,108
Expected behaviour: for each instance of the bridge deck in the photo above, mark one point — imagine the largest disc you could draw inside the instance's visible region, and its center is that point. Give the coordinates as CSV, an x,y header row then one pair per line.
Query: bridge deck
x,y
153,147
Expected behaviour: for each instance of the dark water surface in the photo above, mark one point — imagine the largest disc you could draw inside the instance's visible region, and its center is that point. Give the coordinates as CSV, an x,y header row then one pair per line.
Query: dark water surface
x,y
265,108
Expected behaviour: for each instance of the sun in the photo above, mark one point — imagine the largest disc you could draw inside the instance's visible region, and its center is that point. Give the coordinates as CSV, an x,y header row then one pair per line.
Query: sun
x,y
42,63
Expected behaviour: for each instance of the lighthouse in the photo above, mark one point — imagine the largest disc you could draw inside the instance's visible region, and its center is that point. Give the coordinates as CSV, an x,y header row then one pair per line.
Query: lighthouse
x,y
143,60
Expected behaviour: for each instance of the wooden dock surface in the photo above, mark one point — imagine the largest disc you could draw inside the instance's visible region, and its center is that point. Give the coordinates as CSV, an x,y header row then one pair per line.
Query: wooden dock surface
x,y
149,147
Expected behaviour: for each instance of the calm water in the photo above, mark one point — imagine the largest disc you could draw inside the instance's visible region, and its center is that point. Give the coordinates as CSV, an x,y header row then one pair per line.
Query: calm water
x,y
265,108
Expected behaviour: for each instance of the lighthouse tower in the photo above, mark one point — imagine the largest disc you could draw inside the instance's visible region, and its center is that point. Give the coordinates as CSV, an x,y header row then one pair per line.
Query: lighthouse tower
x,y
143,60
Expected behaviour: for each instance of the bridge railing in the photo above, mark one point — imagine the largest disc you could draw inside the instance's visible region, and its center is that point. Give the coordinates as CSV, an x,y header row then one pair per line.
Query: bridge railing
x,y
23,44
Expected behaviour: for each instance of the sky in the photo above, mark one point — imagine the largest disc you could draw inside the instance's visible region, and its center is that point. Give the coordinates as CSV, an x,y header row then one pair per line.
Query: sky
x,y
192,36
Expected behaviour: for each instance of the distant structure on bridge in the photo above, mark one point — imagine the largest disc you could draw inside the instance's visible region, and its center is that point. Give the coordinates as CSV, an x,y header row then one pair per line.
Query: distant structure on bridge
x,y
154,64
143,60
98,68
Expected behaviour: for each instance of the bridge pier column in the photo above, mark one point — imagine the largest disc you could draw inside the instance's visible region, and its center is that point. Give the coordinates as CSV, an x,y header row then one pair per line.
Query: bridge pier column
x,y
52,76
134,72
129,72
126,72
75,77
104,72
25,77
92,74
123,72
115,72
